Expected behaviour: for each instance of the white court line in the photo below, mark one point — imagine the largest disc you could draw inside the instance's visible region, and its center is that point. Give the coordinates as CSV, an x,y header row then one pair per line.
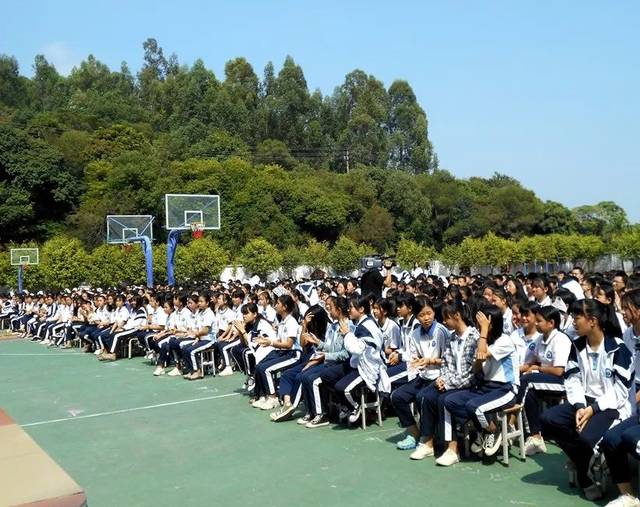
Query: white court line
x,y
44,354
127,410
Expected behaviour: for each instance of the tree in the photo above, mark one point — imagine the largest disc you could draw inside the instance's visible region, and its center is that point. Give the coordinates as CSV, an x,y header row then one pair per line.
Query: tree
x,y
556,218
316,254
409,254
374,228
292,257
201,260
259,257
64,262
345,256
604,218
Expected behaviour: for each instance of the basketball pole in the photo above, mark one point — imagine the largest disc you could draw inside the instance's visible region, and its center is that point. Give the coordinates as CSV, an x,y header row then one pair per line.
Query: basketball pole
x,y
145,242
20,274
172,244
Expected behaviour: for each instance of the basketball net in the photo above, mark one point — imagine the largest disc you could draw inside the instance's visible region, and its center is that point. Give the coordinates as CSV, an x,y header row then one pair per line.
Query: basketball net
x,y
25,267
126,247
197,230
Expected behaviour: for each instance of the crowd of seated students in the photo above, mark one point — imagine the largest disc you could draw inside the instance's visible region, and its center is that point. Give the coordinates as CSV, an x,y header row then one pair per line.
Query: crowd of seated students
x,y
442,353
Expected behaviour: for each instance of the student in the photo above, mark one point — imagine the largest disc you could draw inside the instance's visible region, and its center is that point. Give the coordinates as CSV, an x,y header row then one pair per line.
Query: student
x,y
185,308
228,310
161,338
424,357
597,380
497,359
204,336
391,335
329,361
502,301
125,327
156,321
286,354
366,362
314,324
606,294
542,372
249,353
540,291
526,332
397,359
624,438
456,373
267,311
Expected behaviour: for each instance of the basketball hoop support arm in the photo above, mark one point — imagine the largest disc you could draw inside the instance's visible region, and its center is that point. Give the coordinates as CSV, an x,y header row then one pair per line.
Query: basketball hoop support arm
x,y
172,244
145,241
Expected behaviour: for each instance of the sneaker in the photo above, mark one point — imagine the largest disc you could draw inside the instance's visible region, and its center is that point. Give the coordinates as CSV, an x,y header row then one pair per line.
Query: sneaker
x,y
259,402
593,492
270,403
159,371
226,372
97,352
478,445
354,415
492,442
251,384
283,413
422,451
45,342
448,458
318,421
302,421
407,443
194,375
343,413
624,501
175,373
535,445
107,356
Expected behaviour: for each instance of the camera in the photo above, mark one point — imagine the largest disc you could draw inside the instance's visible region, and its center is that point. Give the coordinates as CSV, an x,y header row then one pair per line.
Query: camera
x,y
376,262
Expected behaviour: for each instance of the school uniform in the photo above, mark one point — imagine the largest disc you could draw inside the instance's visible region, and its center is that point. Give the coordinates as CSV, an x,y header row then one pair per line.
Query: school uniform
x,y
496,389
170,348
522,342
366,364
204,318
247,355
278,359
458,358
49,318
156,345
507,322
398,373
336,358
618,442
552,351
157,317
423,343
269,314
222,349
600,378
130,324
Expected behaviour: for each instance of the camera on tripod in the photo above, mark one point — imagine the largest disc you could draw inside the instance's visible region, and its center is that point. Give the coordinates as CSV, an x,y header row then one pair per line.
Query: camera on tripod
x,y
377,262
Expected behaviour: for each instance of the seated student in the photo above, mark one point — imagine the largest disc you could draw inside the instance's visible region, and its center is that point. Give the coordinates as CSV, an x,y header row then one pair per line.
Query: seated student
x,y
624,438
267,311
497,360
383,309
330,361
597,380
18,313
314,324
182,336
156,321
456,372
542,372
540,291
526,331
82,325
424,358
301,303
249,353
502,301
161,338
126,325
366,365
48,316
101,320
287,353
38,318
406,309
606,294
563,299
204,337
228,310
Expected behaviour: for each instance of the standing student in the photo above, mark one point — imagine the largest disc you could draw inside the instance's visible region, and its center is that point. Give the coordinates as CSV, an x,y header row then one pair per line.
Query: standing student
x,y
425,348
497,359
598,376
542,372
286,354
624,438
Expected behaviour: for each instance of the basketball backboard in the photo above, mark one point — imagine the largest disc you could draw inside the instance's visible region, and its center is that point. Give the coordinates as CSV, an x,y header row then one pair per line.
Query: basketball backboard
x,y
183,210
121,228
25,256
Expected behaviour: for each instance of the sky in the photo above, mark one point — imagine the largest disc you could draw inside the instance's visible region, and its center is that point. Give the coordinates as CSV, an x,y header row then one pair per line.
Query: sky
x,y
545,92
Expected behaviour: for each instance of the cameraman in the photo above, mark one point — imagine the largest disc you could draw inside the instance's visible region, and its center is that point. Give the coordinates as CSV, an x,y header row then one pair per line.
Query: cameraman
x,y
372,279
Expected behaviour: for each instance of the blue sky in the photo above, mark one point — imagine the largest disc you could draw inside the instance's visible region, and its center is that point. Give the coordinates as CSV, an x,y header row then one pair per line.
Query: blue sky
x,y
546,92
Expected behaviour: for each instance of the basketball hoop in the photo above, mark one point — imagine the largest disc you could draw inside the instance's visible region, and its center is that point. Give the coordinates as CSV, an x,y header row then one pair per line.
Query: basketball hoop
x,y
197,230
126,247
25,267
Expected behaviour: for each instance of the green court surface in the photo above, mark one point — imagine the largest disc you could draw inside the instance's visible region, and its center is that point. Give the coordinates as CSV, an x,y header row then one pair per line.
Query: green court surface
x,y
130,439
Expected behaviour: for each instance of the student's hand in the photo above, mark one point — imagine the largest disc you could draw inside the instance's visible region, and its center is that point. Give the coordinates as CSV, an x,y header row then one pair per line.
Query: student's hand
x,y
421,362
311,338
394,358
307,319
582,417
239,325
344,326
440,384
483,322
534,367
263,342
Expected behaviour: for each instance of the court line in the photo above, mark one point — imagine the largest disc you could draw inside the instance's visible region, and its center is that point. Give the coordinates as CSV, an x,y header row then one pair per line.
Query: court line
x,y
127,410
43,354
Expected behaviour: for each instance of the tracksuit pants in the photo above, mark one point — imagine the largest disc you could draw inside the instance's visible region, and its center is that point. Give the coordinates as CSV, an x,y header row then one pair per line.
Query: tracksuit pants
x,y
532,384
480,403
559,424
404,396
398,375
435,419
223,349
190,353
291,380
620,441
276,361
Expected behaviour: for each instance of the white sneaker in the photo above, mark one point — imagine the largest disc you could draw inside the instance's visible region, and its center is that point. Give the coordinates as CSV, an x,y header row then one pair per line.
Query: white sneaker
x,y
97,352
478,444
259,402
448,458
624,501
492,442
45,342
304,419
534,445
175,373
422,451
354,416
226,372
159,371
270,404
343,413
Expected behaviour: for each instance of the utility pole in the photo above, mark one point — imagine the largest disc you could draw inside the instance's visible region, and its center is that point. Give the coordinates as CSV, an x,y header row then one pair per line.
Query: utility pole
x,y
347,160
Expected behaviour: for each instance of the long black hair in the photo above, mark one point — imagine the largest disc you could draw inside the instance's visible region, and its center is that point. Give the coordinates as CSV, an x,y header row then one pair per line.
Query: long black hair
x,y
604,314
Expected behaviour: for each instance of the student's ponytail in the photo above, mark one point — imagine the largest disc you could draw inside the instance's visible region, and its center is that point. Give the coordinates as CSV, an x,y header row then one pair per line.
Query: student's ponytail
x,y
457,306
